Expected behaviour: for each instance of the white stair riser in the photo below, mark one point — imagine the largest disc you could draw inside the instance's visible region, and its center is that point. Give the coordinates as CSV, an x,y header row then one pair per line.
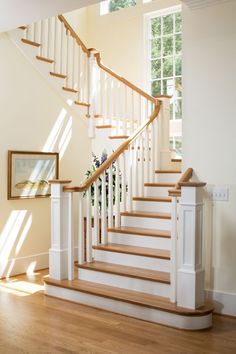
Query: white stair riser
x,y
125,282
156,191
163,207
167,177
132,260
133,310
140,241
148,223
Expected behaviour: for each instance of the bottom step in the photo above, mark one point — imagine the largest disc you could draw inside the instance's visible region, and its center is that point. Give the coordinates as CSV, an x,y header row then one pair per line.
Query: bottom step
x,y
135,304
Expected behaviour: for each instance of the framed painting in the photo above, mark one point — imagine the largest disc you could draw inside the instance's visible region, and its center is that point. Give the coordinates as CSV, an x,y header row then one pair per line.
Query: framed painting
x,y
29,173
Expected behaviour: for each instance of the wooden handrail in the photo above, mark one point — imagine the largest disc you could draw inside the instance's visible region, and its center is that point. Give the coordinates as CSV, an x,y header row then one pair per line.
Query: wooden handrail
x,y
106,164
185,177
74,34
150,98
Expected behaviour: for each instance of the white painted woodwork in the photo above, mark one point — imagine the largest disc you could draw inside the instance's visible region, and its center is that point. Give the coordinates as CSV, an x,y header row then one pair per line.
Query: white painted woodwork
x,y
190,284
80,229
149,223
70,238
133,310
88,227
156,191
164,135
164,207
174,255
167,177
132,260
58,253
139,240
125,282
117,194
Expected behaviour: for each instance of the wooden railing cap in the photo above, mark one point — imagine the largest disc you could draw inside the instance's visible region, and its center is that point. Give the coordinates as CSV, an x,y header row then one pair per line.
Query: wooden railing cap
x,y
59,181
192,184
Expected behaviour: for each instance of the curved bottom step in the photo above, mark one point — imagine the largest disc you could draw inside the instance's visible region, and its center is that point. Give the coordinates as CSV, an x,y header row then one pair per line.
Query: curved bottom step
x,y
130,303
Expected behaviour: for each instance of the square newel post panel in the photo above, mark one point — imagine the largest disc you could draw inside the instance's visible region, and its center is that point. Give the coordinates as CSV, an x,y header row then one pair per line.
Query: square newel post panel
x,y
164,134
190,278
58,253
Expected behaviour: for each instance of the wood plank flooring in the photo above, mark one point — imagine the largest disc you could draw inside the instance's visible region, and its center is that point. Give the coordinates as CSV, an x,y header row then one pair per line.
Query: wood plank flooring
x,y
31,323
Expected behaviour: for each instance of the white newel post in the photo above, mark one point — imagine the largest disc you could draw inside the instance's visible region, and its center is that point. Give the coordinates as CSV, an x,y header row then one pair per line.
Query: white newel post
x,y
190,279
58,253
164,135
174,259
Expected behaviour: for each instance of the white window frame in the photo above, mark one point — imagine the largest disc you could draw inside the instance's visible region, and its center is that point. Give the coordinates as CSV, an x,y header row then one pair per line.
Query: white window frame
x,y
104,7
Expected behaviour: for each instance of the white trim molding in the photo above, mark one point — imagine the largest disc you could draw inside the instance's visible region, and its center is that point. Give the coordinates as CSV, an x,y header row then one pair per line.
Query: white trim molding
x,y
224,302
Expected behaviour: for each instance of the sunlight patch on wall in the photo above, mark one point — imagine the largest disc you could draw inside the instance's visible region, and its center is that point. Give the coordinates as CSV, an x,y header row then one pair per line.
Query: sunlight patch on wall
x,y
65,138
55,132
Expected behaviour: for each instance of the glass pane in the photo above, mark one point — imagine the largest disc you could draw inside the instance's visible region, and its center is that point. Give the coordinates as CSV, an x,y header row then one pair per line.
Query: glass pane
x,y
178,22
115,5
167,46
178,145
171,144
156,88
167,67
168,87
168,24
178,109
156,48
171,111
178,87
178,66
156,69
178,44
156,26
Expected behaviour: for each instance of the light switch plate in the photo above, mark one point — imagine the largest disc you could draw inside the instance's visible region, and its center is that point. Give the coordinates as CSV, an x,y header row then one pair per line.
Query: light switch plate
x,y
219,193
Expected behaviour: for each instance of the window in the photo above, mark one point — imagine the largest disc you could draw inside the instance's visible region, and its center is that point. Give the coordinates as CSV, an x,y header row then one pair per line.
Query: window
x,y
115,5
164,39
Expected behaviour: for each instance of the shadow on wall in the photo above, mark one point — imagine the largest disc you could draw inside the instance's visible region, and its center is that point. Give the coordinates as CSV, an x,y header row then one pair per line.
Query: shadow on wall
x,y
19,222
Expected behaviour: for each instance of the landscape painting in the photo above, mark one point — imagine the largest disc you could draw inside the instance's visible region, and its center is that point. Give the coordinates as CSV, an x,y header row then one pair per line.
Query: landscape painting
x,y
29,173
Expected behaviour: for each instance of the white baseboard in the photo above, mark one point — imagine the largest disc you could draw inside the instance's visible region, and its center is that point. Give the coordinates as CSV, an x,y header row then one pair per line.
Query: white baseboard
x,y
20,265
224,303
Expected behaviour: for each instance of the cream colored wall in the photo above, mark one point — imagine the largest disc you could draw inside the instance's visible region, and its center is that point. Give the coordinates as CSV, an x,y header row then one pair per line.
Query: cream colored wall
x,y
209,128
120,37
30,112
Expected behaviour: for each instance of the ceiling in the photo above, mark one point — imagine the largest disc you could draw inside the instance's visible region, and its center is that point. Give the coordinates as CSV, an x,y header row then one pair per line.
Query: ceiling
x,y
196,4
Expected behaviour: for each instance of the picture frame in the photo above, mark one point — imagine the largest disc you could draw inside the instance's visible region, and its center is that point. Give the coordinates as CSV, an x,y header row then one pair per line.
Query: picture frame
x,y
29,173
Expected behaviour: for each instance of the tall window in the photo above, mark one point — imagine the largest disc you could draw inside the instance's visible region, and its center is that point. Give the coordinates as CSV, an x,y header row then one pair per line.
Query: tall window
x,y
165,64
115,5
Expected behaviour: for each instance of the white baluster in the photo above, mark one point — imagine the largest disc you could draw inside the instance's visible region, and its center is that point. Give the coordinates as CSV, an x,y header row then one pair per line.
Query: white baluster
x,y
80,229
173,273
139,110
123,183
96,214
42,30
103,210
146,149
141,178
67,57
55,44
49,39
88,227
152,152
80,74
110,198
130,179
132,113
62,49
135,167
73,64
70,239
117,194
125,114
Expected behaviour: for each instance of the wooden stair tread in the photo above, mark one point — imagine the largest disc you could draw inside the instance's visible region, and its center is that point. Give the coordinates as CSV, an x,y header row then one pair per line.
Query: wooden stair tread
x,y
82,103
159,185
134,250
153,199
61,76
140,231
176,160
129,296
146,214
22,27
167,171
27,41
105,126
133,272
118,137
69,89
46,60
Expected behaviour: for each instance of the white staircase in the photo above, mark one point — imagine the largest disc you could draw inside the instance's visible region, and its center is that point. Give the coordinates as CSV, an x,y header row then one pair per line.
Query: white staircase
x,y
138,248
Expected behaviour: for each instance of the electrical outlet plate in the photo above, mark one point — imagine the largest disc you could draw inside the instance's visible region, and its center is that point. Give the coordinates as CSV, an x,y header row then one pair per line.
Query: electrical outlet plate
x,y
219,193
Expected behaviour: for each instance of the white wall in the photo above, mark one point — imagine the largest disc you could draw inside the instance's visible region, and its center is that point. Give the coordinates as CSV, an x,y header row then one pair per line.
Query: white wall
x,y
119,36
15,13
209,129
30,113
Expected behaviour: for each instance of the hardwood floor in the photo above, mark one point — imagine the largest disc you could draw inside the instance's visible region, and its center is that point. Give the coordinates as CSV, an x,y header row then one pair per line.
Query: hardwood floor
x,y
33,323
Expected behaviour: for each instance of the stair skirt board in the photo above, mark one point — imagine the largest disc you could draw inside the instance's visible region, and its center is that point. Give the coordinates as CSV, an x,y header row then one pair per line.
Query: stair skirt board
x,y
163,207
148,223
125,282
139,240
162,265
132,310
